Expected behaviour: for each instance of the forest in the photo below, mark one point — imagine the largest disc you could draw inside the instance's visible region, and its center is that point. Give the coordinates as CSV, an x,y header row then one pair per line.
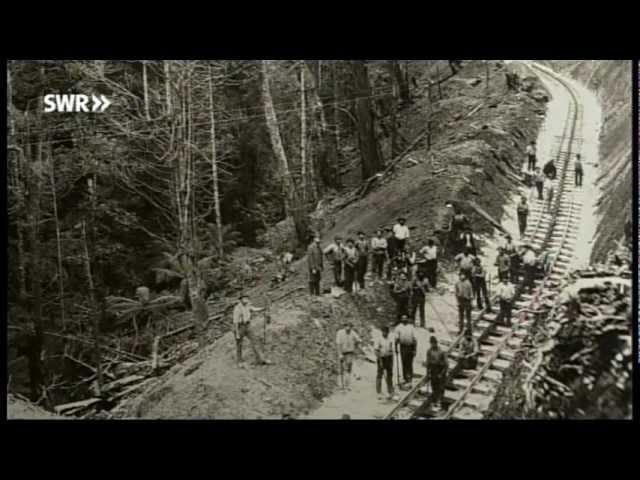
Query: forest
x,y
121,220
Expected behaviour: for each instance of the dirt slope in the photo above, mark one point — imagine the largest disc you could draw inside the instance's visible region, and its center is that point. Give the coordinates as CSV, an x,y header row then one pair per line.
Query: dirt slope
x,y
18,409
477,144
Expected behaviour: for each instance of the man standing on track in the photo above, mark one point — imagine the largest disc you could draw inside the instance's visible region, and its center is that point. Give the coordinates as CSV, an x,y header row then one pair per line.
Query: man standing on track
x,y
578,171
362,244
314,261
420,287
539,182
347,340
505,292
464,294
379,254
529,261
469,351
437,366
407,343
401,295
550,170
401,232
503,262
392,249
351,257
523,213
531,156
465,262
242,328
335,252
479,284
430,255
468,241
384,348
548,193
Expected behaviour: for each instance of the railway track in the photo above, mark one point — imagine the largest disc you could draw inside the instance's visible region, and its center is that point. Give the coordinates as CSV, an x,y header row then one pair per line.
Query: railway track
x,y
552,228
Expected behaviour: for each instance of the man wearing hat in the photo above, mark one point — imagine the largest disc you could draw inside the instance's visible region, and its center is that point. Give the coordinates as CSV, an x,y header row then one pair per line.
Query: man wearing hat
x,y
401,232
437,366
503,262
401,291
314,262
363,258
479,284
406,344
379,254
351,257
384,347
505,292
347,341
464,294
242,328
392,248
523,213
335,253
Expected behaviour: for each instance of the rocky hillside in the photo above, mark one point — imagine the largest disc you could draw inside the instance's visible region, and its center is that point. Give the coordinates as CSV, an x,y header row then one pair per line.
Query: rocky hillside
x,y
611,80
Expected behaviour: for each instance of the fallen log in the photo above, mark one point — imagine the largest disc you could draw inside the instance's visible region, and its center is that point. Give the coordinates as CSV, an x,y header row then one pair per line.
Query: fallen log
x,y
66,407
486,216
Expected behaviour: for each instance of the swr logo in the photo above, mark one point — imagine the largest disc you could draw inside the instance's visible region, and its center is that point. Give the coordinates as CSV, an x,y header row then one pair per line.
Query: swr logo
x,y
68,103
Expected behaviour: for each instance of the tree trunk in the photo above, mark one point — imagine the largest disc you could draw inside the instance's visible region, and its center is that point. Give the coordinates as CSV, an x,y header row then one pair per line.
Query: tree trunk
x,y
146,90
167,85
94,309
58,242
369,151
400,80
303,136
214,169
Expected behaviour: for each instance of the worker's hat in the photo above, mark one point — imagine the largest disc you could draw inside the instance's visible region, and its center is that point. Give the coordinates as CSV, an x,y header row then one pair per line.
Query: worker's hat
x,y
360,232
402,219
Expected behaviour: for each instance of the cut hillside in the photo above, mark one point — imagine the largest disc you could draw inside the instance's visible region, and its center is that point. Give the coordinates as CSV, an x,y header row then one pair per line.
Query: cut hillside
x,y
476,147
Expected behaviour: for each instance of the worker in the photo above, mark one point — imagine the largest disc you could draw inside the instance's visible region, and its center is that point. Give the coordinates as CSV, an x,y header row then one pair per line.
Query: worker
x,y
363,245
503,262
549,170
459,222
379,254
401,232
479,284
468,241
529,262
351,257
465,262
515,265
335,253
384,347
392,248
514,260
437,367
401,295
523,213
548,193
464,295
505,292
314,262
469,351
419,288
430,255
578,170
538,180
242,328
347,341
407,343
401,262
531,156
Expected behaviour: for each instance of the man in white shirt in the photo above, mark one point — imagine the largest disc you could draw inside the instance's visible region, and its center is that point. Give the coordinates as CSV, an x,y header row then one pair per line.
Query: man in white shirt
x,y
548,193
401,232
505,292
529,261
379,254
347,340
383,347
430,254
406,343
242,328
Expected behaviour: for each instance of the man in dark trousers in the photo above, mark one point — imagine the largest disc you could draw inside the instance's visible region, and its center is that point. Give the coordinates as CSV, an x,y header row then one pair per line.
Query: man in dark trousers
x,y
419,288
401,295
362,244
468,241
392,248
350,264
550,170
503,262
530,264
384,348
469,351
505,292
464,294
401,232
538,180
479,284
578,170
335,253
437,367
523,213
379,254
459,222
465,262
314,261
531,156
407,343
430,255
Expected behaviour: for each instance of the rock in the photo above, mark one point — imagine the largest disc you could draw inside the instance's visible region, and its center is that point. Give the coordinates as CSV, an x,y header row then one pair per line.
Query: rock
x,y
539,96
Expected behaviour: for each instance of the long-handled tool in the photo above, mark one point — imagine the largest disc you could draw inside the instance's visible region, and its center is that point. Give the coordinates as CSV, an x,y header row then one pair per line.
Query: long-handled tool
x,y
398,368
341,374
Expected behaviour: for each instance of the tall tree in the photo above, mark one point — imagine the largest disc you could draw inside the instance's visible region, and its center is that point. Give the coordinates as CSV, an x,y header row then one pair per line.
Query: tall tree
x,y
367,141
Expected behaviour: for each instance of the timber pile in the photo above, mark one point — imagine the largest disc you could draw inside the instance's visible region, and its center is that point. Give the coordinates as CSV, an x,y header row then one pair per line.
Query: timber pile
x,y
584,368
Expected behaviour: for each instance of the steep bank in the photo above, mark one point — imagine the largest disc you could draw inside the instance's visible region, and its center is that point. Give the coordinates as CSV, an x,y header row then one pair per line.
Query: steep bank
x,y
611,81
476,149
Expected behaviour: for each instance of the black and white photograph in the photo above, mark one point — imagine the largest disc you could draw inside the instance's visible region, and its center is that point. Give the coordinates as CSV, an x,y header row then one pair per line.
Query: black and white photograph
x,y
320,239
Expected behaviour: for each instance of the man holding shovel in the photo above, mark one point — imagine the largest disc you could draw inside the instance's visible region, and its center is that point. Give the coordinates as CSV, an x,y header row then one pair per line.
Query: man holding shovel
x,y
383,347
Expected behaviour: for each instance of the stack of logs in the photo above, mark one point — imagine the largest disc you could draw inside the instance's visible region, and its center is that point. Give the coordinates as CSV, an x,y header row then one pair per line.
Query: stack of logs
x,y
584,368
